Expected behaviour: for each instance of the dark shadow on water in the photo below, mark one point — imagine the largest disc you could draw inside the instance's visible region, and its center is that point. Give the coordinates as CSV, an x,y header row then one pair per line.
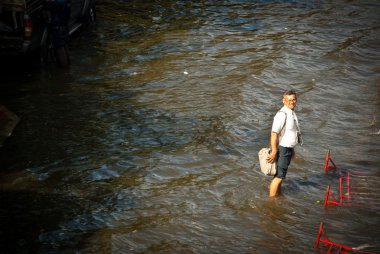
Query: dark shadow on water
x,y
25,215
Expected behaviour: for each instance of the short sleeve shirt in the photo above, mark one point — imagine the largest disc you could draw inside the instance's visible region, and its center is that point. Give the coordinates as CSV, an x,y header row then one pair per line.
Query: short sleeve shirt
x,y
289,138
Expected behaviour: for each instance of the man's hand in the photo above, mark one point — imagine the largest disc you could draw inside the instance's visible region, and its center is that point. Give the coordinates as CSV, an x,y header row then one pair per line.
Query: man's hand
x,y
272,157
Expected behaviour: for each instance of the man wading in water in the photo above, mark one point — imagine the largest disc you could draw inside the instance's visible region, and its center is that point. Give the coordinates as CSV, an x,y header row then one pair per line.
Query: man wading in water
x,y
284,137
59,29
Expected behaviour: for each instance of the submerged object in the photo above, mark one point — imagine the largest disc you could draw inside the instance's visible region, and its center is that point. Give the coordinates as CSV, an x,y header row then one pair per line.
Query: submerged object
x,y
8,122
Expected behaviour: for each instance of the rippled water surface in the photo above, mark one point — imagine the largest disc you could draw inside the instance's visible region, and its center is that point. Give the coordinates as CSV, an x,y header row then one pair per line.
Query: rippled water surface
x,y
148,144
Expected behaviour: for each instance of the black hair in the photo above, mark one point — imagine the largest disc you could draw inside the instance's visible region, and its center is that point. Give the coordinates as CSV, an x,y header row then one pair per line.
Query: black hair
x,y
290,92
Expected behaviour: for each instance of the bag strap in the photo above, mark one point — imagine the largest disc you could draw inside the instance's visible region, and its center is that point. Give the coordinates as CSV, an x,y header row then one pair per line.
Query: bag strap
x,y
299,134
283,129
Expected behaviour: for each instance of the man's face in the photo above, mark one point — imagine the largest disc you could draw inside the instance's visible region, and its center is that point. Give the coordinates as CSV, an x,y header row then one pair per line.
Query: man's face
x,y
290,101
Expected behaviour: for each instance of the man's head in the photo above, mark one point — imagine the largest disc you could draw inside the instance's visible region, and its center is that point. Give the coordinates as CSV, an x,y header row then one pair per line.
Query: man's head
x,y
290,99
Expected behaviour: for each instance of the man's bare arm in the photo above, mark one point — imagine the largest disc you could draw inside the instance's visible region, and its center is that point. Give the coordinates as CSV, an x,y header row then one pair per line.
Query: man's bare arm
x,y
273,143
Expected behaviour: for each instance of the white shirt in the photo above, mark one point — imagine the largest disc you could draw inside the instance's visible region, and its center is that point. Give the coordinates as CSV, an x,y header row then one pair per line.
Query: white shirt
x,y
289,138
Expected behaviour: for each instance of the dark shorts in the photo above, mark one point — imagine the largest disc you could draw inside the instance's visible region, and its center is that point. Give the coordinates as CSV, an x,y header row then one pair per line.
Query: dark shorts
x,y
284,156
59,37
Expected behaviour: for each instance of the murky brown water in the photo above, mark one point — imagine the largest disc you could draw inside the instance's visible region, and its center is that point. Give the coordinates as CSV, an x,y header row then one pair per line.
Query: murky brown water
x,y
148,144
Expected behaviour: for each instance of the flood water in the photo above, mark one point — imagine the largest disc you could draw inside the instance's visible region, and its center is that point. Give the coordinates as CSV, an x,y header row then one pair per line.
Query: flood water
x,y
149,142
